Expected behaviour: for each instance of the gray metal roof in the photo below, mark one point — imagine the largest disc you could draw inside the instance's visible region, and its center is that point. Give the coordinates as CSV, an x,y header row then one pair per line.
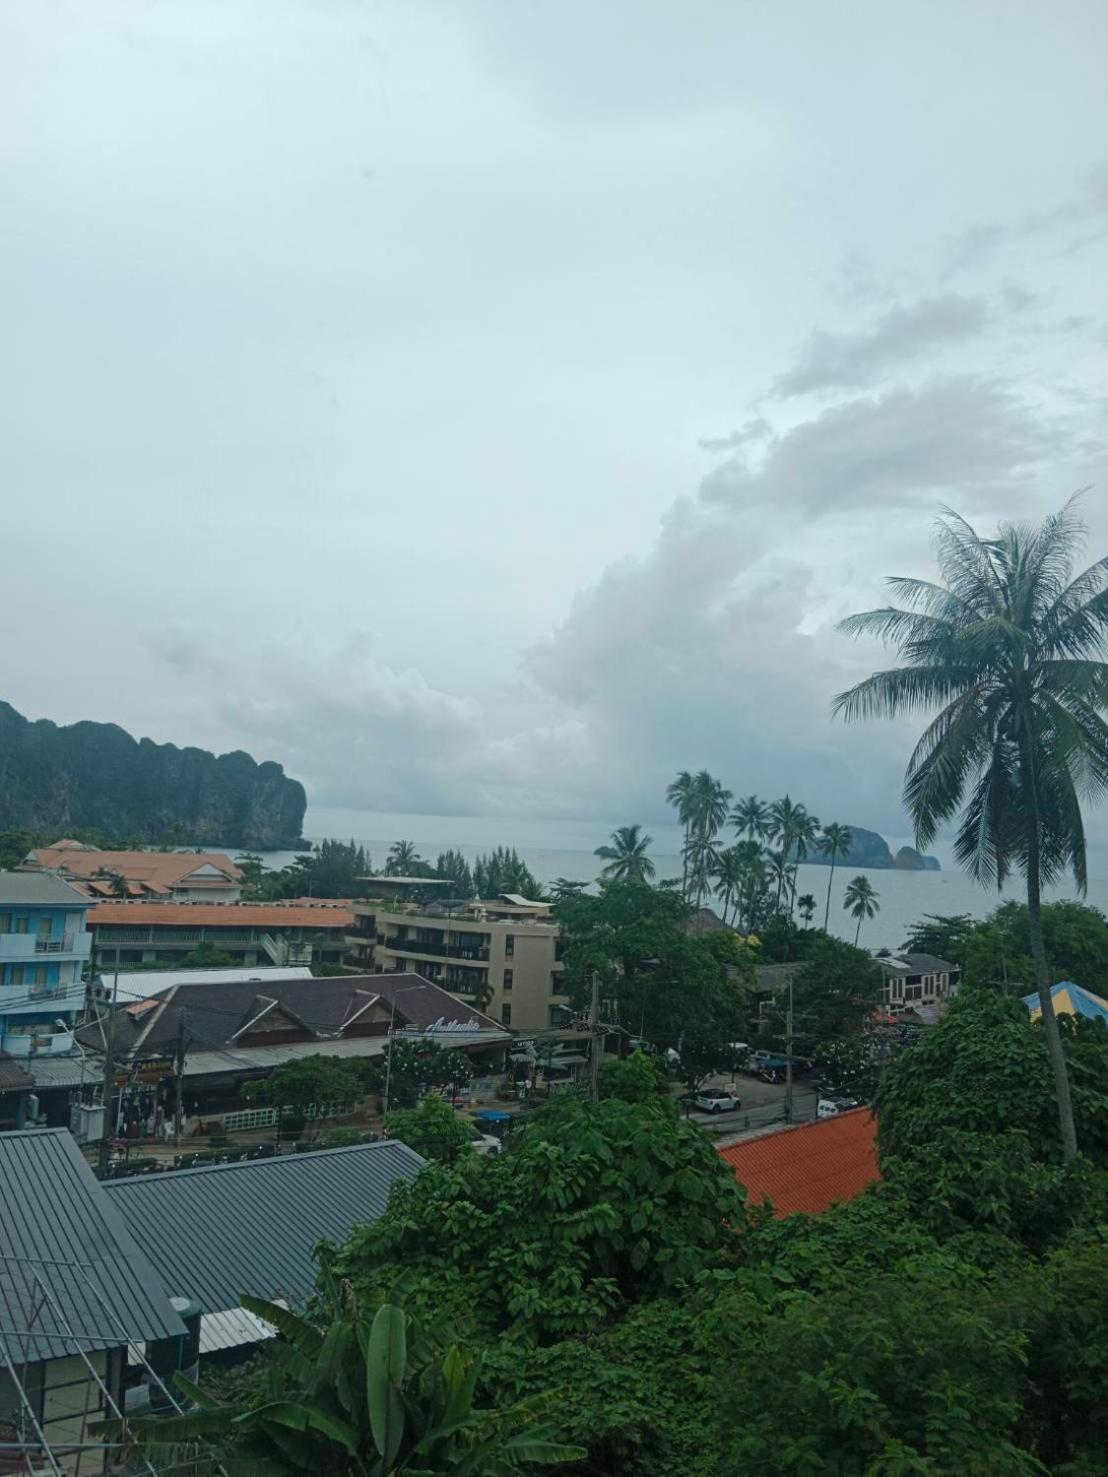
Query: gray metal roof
x,y
216,1233
71,1276
63,1071
39,889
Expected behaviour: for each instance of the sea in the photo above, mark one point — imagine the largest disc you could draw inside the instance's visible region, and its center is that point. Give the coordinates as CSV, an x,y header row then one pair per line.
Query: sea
x,y
564,848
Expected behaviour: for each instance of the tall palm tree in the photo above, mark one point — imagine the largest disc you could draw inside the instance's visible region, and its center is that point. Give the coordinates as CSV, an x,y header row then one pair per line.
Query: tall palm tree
x,y
785,817
805,837
1008,647
779,874
680,794
709,811
806,907
835,842
630,862
729,877
860,901
750,818
751,861
403,859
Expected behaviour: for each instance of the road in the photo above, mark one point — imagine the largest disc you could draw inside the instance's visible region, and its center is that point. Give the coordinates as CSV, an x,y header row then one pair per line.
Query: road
x,y
761,1103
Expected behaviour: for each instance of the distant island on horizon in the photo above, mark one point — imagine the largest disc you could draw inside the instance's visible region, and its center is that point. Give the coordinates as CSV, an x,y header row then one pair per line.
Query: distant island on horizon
x,y
869,849
85,775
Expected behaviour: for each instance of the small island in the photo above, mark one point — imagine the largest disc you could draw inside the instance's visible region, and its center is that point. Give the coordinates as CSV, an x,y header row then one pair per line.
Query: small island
x,y
868,849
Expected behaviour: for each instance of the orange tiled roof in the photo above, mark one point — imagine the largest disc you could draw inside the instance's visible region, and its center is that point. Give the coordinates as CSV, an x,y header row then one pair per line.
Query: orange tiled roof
x,y
219,915
811,1166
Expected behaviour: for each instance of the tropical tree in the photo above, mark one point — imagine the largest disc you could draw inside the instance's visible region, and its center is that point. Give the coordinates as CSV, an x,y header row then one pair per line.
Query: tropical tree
x,y
629,861
806,906
779,874
786,819
1007,646
805,836
729,875
709,811
367,1394
453,867
563,887
680,794
835,842
404,860
860,901
750,818
504,870
752,862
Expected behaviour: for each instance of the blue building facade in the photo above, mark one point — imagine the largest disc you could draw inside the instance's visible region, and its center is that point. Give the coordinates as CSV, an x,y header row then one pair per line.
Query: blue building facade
x,y
44,955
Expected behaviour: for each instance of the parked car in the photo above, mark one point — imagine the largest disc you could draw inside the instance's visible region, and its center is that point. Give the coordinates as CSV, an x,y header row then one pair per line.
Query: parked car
x,y
828,1107
716,1100
487,1143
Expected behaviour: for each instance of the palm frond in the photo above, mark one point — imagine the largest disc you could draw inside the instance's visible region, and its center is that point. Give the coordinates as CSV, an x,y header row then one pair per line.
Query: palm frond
x,y
900,690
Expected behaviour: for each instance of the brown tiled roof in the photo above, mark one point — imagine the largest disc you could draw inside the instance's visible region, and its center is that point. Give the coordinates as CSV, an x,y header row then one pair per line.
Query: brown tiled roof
x,y
216,1012
811,1166
220,915
165,867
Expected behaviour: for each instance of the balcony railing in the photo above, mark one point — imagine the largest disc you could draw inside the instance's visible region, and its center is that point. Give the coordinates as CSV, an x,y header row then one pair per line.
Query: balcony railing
x,y
54,946
442,951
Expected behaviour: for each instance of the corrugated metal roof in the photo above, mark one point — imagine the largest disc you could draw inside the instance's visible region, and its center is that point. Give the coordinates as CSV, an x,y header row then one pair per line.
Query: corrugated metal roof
x,y
141,984
230,1329
62,1071
13,1076
71,1275
811,1166
39,889
218,1232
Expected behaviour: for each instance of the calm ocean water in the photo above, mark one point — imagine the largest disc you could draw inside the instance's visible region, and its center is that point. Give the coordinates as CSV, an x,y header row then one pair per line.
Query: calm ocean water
x,y
565,849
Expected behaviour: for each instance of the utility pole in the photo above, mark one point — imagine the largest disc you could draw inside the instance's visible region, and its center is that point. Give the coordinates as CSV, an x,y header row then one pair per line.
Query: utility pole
x,y
789,1055
597,1044
109,1080
179,1075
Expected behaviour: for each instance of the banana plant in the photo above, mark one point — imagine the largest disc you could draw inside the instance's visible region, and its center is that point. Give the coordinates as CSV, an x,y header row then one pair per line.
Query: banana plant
x,y
370,1394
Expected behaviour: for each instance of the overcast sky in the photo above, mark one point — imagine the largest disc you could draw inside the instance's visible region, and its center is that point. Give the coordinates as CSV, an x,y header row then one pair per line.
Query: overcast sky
x,y
489,407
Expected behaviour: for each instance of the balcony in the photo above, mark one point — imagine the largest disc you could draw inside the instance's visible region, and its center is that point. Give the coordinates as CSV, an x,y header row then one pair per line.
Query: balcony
x,y
54,946
466,952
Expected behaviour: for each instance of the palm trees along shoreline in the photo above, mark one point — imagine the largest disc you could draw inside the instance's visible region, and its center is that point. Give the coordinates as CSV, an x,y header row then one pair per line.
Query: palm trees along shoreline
x,y
1007,647
860,901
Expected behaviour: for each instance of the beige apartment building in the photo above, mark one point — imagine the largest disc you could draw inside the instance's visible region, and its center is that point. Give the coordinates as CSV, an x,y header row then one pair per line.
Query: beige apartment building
x,y
503,954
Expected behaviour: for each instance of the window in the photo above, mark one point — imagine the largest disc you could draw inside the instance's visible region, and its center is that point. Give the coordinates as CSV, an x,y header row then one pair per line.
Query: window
x,y
46,925
508,979
38,974
556,982
15,975
21,925
505,1015
509,946
5,923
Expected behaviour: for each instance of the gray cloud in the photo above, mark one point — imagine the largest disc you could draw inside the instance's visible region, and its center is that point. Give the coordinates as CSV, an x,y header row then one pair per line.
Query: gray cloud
x,y
901,336
1078,221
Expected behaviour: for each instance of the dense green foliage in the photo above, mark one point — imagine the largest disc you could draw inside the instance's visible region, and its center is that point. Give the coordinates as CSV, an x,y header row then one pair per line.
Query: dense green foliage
x,y
54,780
835,993
309,1085
594,1209
656,980
433,1129
502,870
363,1391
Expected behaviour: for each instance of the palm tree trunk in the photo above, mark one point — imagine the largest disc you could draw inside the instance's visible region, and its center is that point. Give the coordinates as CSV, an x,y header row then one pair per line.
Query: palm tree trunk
x,y
858,930
1038,953
685,866
830,880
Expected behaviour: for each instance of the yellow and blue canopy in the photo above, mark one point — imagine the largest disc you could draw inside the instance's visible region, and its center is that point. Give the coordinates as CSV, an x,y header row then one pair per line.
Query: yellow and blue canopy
x,y
1070,999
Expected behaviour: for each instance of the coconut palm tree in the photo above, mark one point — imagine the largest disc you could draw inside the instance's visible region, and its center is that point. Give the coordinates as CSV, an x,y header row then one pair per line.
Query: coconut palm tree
x,y
835,842
403,859
564,887
629,861
860,901
709,811
806,907
751,862
786,818
729,876
680,794
750,818
778,874
805,837
1007,646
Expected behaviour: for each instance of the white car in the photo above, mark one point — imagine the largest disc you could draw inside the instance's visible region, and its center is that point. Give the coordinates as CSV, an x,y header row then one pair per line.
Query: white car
x,y
828,1107
716,1100
487,1143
